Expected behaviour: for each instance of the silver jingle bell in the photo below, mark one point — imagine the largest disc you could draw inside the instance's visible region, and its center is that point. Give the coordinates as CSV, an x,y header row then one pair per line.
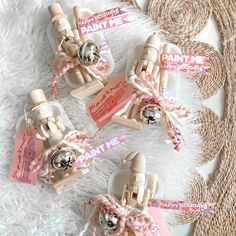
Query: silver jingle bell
x,y
63,158
108,221
151,114
88,53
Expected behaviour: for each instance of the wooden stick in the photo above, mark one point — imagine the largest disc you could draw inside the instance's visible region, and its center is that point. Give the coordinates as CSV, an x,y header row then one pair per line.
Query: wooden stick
x,y
87,89
70,178
135,111
164,73
127,122
77,15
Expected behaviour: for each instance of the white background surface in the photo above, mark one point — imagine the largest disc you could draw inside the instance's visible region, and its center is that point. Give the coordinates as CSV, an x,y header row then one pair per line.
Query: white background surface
x,y
25,55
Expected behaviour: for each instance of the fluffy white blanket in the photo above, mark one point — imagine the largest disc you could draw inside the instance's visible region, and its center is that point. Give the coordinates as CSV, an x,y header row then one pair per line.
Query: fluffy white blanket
x,y
25,55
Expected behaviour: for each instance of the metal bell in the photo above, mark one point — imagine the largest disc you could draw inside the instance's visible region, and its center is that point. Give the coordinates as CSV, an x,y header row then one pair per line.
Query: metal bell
x,y
63,158
108,221
88,53
151,114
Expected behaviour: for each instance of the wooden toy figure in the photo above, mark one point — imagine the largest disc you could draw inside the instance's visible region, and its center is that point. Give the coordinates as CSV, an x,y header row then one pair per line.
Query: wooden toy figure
x,y
48,122
58,163
128,215
151,103
148,63
76,55
141,186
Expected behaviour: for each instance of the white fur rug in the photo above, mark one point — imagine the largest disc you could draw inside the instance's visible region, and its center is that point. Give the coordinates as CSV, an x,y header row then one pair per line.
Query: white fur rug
x,y
25,55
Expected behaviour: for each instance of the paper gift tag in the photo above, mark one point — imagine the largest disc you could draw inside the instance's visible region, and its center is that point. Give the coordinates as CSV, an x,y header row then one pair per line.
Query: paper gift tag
x,y
196,64
110,100
103,20
159,219
99,150
26,149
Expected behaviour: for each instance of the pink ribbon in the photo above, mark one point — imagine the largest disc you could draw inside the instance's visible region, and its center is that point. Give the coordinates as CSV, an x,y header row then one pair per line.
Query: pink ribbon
x,y
167,105
61,64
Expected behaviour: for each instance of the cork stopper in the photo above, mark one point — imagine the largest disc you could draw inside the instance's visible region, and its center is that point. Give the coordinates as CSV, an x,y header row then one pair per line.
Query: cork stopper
x,y
37,97
55,11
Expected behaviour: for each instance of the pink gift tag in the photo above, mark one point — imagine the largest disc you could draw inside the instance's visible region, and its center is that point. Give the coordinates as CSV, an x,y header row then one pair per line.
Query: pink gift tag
x,y
103,20
185,63
99,150
110,100
26,149
159,219
185,206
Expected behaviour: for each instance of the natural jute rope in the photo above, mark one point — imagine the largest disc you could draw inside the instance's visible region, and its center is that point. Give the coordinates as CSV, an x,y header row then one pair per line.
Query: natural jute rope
x,y
197,193
132,2
180,20
222,185
210,82
212,132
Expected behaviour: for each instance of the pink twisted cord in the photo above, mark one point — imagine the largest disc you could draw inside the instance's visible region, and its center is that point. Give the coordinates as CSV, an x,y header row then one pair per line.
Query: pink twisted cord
x,y
175,136
62,64
137,220
100,69
77,138
167,105
150,82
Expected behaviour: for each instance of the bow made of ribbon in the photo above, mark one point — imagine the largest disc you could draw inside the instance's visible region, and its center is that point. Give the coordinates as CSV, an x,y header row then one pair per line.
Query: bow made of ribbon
x,y
62,63
137,220
174,114
78,140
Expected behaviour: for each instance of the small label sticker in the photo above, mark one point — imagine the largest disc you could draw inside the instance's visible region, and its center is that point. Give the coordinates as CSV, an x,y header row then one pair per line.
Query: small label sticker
x,y
185,63
110,100
160,221
102,20
26,149
182,205
95,152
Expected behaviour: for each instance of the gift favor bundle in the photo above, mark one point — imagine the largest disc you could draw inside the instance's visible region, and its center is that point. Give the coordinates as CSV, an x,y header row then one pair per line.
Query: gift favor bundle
x,y
50,150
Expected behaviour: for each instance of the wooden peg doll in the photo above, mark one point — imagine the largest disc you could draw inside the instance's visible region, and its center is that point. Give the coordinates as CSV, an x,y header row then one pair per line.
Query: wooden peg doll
x,y
48,120
62,146
149,60
78,50
127,215
155,99
141,186
149,64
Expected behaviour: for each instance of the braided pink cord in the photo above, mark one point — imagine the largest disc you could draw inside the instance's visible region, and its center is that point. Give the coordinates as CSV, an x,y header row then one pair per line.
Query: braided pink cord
x,y
175,136
137,220
148,81
166,103
79,138
168,106
62,63
74,138
60,66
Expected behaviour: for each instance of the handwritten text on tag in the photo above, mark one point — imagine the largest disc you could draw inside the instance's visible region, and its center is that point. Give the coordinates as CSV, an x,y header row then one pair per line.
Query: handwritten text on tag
x,y
26,149
110,100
